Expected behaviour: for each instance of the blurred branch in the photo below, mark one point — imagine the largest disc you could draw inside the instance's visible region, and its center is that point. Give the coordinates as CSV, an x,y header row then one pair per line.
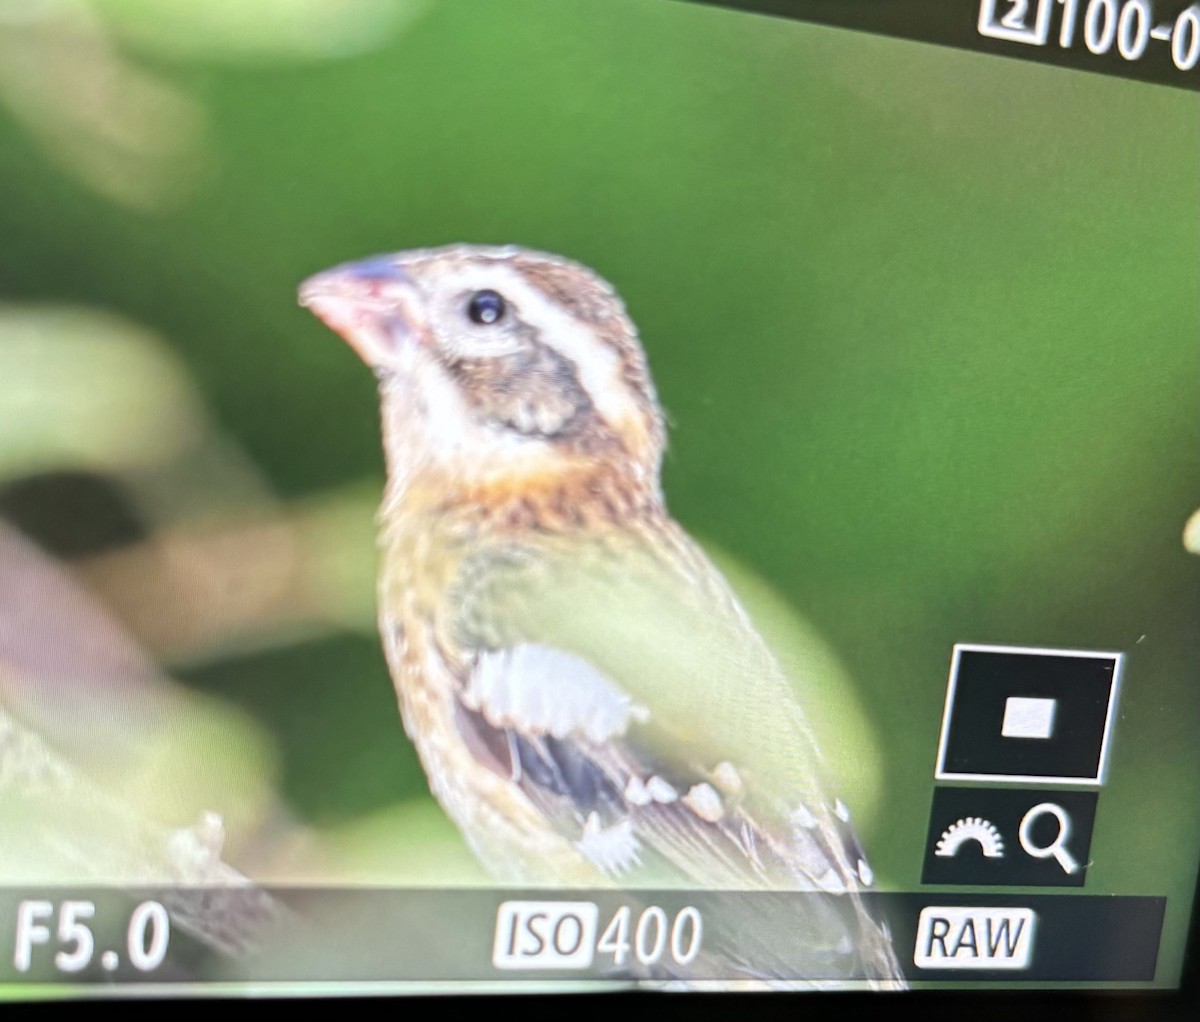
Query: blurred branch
x,y
71,674
106,839
122,846
192,592
67,668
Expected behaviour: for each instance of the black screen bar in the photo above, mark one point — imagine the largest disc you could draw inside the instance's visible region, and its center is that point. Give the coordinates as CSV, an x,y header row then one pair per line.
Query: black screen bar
x,y
366,935
1148,40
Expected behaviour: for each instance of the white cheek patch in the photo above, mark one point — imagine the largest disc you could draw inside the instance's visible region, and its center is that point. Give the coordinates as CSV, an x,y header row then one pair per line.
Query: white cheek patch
x,y
541,690
427,421
424,403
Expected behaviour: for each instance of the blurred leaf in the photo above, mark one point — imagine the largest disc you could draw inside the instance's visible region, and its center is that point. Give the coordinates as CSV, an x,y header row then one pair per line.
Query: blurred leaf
x,y
88,389
411,843
128,134
831,701
259,29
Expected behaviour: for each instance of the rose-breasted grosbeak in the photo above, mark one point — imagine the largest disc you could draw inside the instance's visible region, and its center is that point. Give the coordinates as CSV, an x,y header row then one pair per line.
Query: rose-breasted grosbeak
x,y
589,700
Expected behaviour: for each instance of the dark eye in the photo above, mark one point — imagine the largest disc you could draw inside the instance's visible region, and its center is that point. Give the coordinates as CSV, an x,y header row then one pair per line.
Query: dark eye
x,y
486,308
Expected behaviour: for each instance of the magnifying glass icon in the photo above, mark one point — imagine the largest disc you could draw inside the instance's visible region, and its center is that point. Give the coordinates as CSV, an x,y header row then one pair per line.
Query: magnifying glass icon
x,y
1054,848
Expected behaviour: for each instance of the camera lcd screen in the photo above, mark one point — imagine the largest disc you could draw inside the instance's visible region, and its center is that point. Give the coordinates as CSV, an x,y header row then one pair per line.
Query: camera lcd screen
x,y
573,496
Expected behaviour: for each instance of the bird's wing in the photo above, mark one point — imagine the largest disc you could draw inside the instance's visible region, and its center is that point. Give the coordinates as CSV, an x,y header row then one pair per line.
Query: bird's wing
x,y
620,685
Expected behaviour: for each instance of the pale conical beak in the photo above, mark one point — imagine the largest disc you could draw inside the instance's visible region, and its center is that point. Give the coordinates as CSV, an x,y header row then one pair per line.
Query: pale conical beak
x,y
374,305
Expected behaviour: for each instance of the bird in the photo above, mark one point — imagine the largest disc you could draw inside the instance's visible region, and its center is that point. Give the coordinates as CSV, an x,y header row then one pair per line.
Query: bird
x,y
591,703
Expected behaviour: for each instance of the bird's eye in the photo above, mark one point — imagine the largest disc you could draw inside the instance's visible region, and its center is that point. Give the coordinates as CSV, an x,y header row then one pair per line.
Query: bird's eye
x,y
486,308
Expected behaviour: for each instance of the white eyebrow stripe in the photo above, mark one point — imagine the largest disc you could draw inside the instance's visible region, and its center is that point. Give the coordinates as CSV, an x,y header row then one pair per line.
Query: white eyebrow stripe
x,y
541,690
598,365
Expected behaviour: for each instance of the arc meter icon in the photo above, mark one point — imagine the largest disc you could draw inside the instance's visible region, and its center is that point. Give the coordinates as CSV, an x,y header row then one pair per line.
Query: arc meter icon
x,y
970,828
1008,837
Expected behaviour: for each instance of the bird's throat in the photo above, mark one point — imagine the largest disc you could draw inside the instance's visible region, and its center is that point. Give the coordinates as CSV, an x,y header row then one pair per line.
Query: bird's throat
x,y
550,498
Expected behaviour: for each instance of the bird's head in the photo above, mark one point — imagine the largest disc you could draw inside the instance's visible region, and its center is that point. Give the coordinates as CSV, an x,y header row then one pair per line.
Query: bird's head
x,y
498,368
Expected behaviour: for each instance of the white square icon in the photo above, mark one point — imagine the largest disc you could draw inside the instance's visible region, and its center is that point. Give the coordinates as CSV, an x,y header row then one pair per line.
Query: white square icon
x,y
1025,713
1028,718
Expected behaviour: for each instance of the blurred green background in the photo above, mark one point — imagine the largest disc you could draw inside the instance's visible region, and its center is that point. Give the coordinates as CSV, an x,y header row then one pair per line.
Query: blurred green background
x,y
924,322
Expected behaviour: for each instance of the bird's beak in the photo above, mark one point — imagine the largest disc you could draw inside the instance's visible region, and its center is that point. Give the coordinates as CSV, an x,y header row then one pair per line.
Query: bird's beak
x,y
374,305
